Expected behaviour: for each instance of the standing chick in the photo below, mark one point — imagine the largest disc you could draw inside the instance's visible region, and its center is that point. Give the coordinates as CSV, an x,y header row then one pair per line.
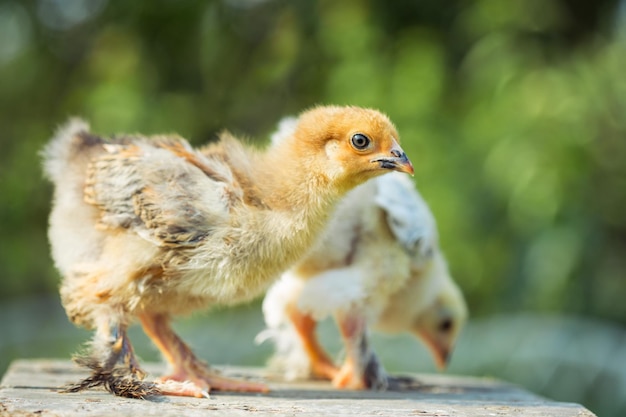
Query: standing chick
x,y
378,264
147,228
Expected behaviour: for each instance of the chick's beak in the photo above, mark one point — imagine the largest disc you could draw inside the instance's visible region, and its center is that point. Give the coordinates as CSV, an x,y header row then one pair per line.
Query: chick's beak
x,y
442,357
397,161
441,353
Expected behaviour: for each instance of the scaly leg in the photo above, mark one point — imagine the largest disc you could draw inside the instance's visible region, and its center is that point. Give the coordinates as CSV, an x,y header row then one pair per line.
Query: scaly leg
x,y
321,365
361,368
190,377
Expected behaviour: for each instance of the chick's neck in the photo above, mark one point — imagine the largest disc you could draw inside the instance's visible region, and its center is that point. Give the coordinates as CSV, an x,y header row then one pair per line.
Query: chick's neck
x,y
292,180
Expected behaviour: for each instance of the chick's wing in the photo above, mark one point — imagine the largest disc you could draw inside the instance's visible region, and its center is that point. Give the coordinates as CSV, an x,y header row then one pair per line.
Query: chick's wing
x,y
162,190
408,215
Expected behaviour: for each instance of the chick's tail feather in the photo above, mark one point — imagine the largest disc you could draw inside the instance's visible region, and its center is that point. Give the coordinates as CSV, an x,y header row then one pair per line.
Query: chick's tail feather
x,y
59,152
289,358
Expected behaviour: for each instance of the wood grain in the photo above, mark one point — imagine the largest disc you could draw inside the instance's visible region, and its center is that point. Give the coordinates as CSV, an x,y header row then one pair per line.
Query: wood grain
x,y
31,388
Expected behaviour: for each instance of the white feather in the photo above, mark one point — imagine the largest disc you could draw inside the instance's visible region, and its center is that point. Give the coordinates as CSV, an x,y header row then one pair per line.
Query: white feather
x,y
56,153
408,215
333,291
289,358
286,127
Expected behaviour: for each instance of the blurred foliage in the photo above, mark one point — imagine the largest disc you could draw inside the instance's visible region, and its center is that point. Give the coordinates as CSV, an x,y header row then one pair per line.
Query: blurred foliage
x,y
514,113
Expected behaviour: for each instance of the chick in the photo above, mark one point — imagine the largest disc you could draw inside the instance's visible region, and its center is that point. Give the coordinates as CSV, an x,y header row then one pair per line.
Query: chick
x,y
377,265
146,228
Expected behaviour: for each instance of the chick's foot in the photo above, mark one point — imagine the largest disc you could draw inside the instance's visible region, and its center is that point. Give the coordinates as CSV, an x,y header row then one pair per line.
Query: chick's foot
x,y
181,389
362,374
200,380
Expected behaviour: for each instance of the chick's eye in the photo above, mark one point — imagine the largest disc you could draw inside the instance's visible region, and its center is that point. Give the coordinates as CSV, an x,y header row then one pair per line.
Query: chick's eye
x,y
446,325
360,141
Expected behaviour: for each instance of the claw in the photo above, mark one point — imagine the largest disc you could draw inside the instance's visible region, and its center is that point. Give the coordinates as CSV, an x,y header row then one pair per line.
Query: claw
x,y
181,389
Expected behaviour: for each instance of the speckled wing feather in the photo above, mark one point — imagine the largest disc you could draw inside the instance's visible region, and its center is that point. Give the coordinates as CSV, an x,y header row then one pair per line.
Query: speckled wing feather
x,y
162,189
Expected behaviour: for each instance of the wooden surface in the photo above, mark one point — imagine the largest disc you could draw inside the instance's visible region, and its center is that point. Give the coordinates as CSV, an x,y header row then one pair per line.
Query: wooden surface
x,y
30,388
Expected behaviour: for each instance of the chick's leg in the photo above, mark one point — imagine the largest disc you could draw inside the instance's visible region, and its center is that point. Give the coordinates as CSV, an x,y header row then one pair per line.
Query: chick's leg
x,y
361,368
191,377
321,365
114,365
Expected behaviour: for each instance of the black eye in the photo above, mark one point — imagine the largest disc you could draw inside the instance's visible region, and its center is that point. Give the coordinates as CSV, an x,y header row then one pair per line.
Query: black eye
x,y
446,325
360,141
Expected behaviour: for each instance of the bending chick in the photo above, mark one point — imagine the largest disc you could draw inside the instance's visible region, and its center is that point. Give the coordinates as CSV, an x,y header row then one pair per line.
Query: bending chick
x,y
148,227
378,265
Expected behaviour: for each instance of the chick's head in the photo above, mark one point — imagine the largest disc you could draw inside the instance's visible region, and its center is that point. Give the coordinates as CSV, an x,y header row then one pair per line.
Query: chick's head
x,y
350,144
439,325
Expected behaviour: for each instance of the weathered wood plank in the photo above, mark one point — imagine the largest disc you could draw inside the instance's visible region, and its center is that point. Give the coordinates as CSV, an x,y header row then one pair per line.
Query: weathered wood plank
x,y
30,388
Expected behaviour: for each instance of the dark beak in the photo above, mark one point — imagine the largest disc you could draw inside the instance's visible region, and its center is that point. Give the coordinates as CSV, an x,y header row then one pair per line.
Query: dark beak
x,y
398,161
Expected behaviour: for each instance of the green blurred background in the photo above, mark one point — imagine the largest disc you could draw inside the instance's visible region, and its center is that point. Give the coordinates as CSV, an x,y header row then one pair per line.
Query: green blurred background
x,y
513,112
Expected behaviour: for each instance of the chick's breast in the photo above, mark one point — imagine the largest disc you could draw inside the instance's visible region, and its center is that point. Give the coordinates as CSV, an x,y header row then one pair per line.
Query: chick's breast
x,y
357,262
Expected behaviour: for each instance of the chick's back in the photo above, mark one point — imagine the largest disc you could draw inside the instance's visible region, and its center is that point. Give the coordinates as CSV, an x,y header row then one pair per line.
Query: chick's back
x,y
140,206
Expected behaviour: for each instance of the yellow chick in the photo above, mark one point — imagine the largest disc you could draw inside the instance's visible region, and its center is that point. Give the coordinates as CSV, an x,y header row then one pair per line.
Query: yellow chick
x,y
146,228
378,265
